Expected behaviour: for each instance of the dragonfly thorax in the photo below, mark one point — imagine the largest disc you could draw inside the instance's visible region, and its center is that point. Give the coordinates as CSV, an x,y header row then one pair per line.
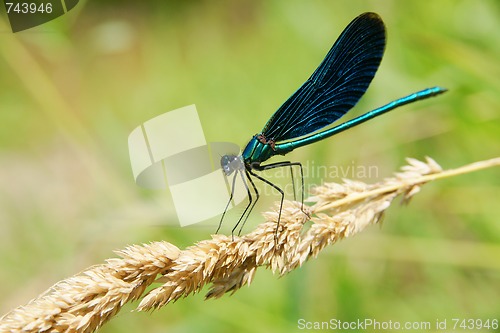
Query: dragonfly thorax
x,y
231,163
258,150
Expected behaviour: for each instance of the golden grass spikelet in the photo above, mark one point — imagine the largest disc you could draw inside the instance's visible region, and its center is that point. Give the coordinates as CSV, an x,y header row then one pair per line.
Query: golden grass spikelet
x,y
84,302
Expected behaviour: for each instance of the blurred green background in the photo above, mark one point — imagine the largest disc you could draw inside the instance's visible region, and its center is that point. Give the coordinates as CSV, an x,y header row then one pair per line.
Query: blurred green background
x,y
73,89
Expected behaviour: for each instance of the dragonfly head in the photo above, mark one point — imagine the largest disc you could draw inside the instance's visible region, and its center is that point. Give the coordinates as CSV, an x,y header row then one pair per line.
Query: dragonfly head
x,y
231,163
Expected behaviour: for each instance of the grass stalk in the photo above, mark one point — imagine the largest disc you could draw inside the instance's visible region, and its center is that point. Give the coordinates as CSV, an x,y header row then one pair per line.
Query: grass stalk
x,y
84,302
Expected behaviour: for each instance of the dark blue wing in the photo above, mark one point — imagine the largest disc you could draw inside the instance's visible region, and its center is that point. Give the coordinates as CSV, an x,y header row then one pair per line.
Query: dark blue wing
x,y
336,85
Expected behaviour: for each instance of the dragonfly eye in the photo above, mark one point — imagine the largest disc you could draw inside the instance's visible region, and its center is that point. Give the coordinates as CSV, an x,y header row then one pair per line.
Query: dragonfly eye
x,y
230,163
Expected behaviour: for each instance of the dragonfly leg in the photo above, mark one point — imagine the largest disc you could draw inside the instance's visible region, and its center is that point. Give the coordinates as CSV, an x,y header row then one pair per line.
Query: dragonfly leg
x,y
293,184
250,200
290,164
257,196
228,202
282,198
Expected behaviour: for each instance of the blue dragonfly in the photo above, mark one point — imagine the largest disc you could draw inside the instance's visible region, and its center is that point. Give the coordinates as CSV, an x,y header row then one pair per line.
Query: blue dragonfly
x,y
333,89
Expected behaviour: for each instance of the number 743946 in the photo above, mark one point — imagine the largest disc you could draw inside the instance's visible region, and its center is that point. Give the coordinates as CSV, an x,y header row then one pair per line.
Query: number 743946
x,y
475,324
28,7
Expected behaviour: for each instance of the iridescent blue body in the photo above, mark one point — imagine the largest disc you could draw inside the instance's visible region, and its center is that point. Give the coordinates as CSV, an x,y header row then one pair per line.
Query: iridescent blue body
x,y
332,90
257,152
